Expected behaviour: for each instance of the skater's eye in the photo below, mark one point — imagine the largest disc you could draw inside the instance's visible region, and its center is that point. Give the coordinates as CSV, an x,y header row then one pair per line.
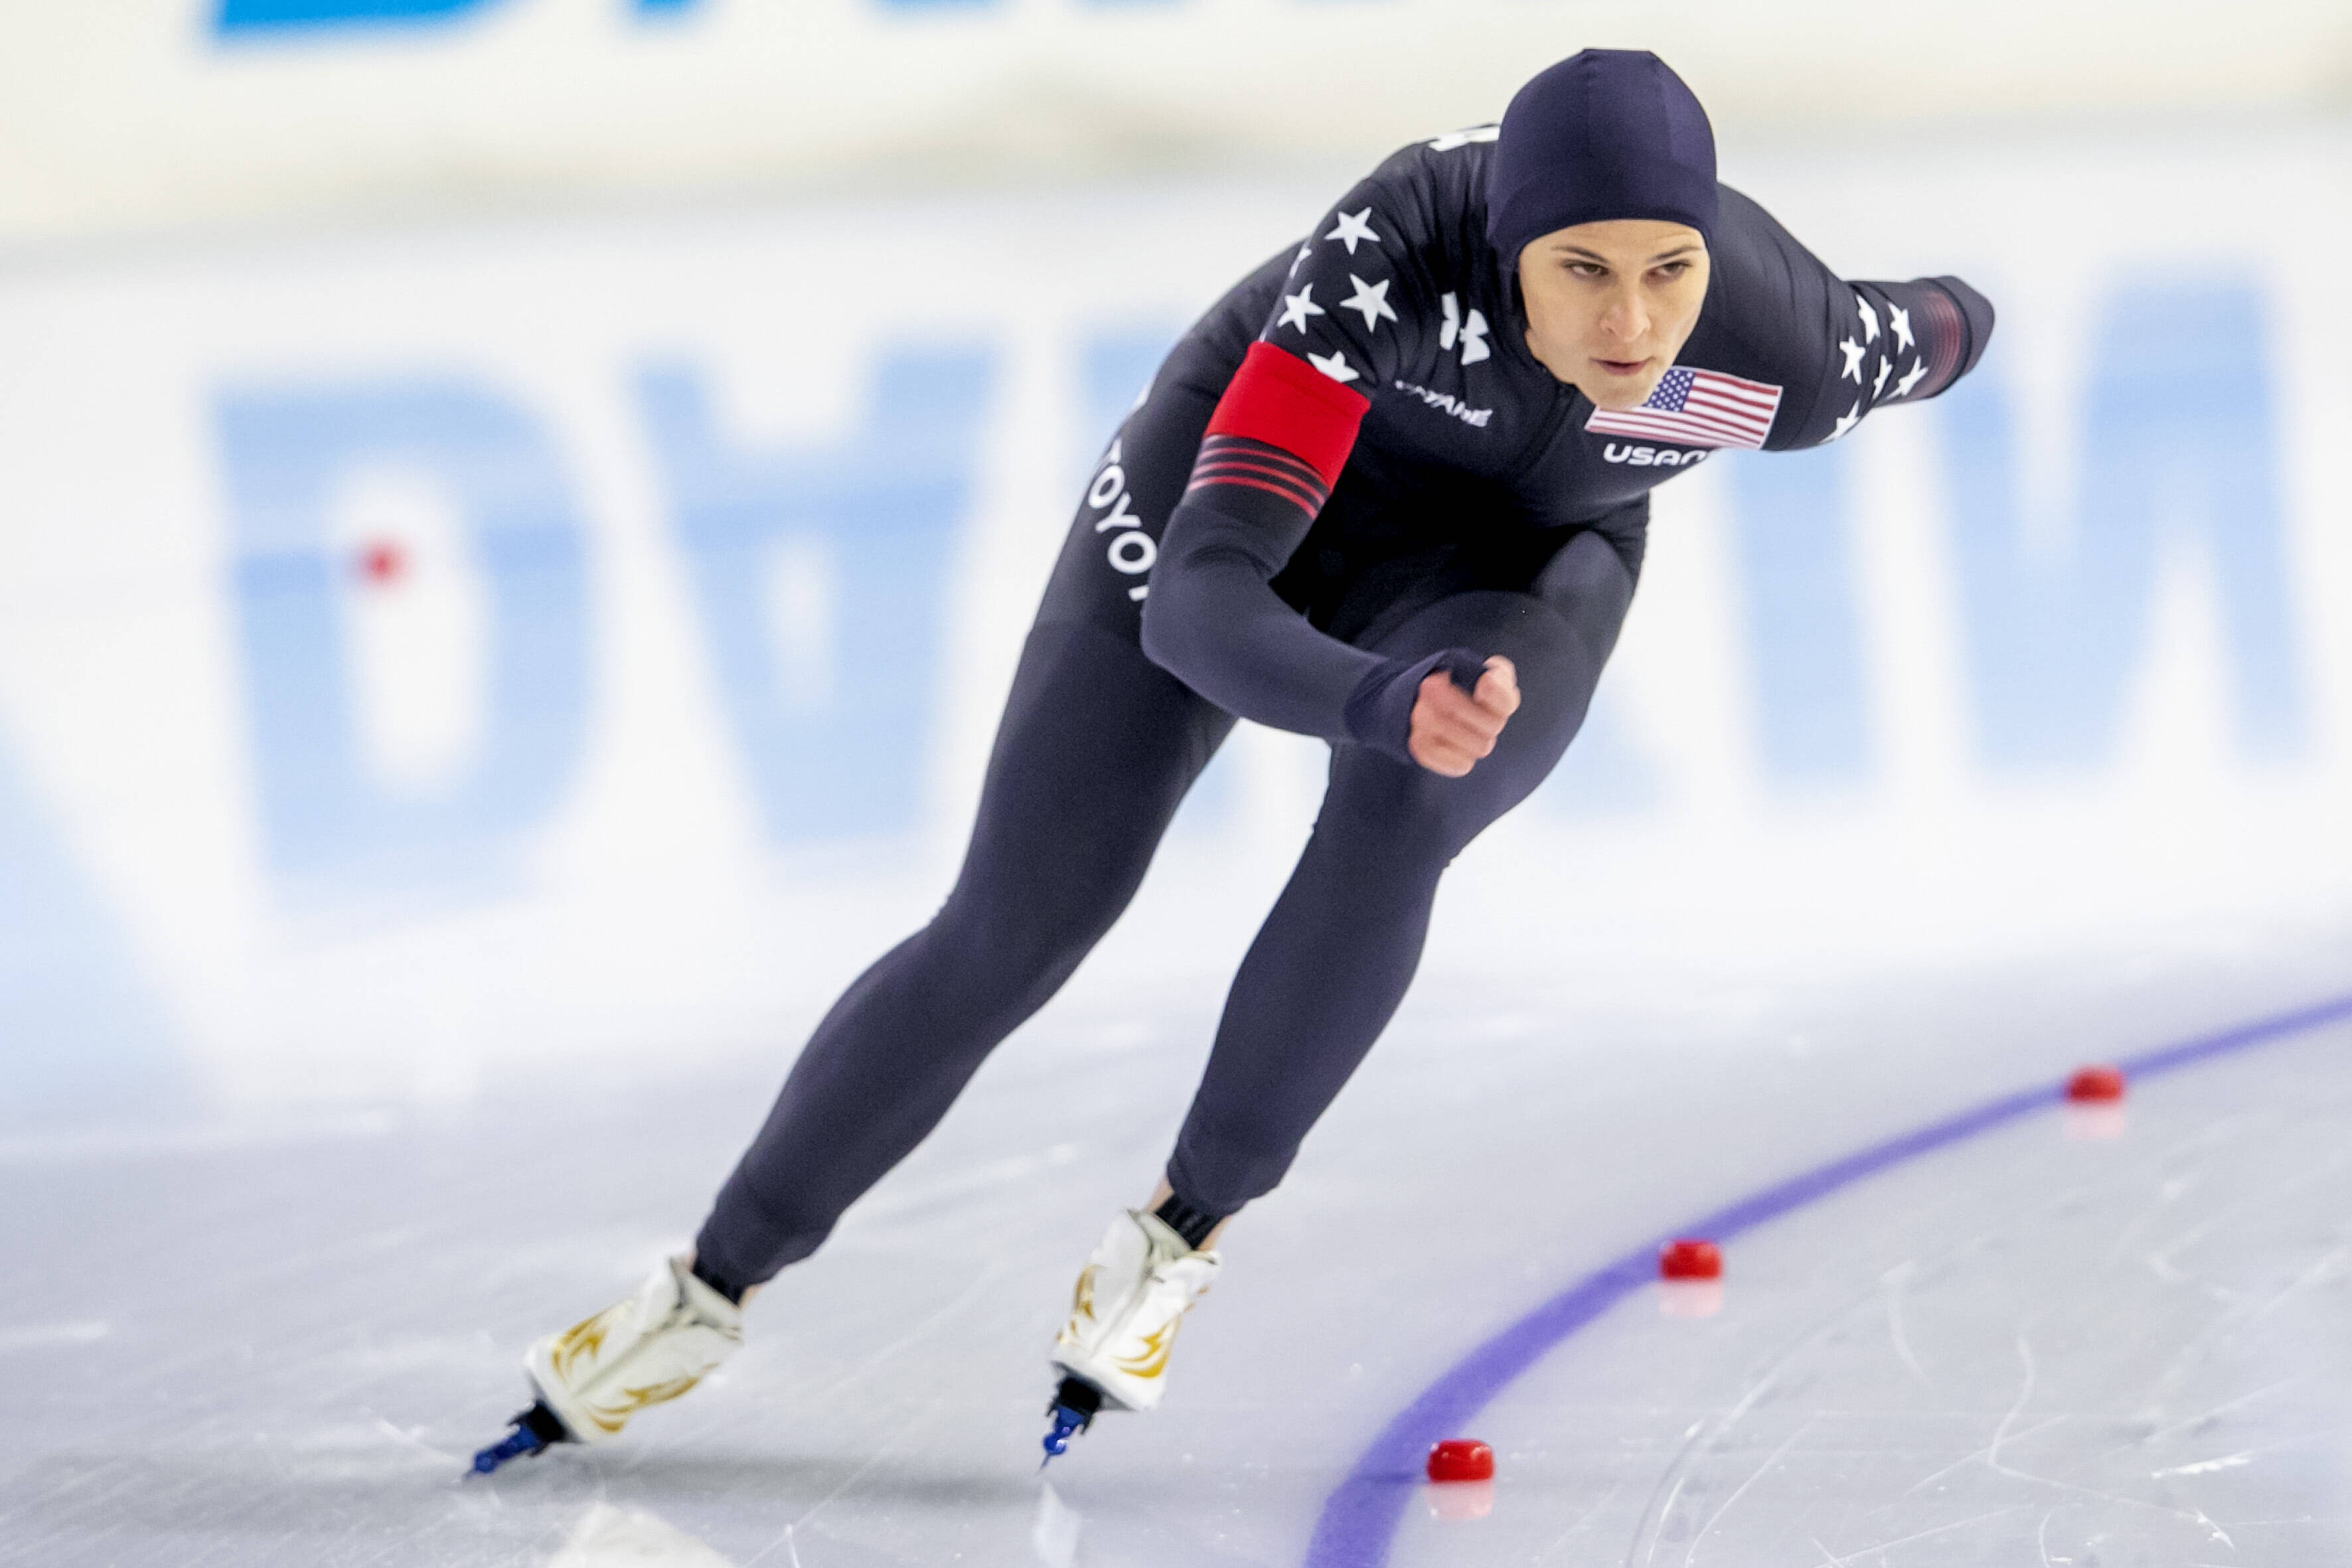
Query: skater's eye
x,y
1578,267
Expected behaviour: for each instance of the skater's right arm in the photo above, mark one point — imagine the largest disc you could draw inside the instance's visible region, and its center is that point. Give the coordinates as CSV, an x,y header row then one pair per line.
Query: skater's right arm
x,y
1276,442
1266,464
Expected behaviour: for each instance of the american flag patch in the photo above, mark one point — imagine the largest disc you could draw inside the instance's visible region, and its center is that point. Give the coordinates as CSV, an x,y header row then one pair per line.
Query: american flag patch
x,y
1696,408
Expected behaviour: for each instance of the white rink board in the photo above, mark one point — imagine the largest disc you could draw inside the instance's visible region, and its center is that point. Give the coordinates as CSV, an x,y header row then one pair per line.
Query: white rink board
x,y
133,115
552,831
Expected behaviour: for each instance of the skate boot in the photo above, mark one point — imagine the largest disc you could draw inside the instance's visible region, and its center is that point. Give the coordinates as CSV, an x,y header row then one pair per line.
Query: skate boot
x,y
1131,1297
645,1349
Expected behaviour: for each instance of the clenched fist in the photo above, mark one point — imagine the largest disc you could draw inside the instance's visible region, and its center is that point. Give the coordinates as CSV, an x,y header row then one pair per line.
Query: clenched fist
x,y
1452,729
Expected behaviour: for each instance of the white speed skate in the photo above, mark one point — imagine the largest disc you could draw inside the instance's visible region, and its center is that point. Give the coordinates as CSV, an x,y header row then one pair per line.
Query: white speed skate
x,y
647,1349
1130,1297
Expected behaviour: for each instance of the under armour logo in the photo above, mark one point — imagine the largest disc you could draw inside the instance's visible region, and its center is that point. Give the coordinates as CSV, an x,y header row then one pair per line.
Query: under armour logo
x,y
1473,332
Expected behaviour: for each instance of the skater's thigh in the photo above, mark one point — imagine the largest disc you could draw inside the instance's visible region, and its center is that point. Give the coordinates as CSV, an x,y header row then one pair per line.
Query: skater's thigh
x,y
1097,749
1098,745
1590,582
1559,635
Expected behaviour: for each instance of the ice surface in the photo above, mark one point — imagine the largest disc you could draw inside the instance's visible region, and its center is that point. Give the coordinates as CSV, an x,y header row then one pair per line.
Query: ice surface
x,y
281,1348
2112,1351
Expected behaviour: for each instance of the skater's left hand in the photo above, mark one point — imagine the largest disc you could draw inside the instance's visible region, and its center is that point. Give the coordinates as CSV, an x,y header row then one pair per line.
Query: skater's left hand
x,y
1452,729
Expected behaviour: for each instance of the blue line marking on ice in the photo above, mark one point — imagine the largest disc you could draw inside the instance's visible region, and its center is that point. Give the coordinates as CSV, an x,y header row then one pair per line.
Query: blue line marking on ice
x,y
1359,1519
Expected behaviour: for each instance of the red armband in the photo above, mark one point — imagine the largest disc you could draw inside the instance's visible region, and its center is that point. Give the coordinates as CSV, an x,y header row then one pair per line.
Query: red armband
x,y
1280,399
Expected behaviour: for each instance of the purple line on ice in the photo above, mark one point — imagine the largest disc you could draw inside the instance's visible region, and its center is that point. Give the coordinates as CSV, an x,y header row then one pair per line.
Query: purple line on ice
x,y
1359,1519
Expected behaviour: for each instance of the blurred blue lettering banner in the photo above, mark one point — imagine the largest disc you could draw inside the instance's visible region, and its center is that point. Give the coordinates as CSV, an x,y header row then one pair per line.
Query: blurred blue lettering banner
x,y
241,17
284,453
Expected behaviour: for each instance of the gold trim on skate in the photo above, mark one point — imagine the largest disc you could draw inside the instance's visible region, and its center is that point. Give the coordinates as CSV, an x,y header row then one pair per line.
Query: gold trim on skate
x,y
1157,1348
612,1416
586,1337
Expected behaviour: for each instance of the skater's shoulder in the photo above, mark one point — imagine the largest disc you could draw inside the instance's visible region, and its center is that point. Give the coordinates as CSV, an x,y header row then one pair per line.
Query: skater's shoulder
x,y
1433,188
1767,296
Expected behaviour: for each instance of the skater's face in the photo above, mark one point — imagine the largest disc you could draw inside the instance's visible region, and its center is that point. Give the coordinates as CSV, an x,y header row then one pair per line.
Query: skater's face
x,y
1611,304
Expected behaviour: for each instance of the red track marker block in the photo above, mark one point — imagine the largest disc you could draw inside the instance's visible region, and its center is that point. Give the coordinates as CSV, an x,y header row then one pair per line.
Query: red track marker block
x,y
383,562
1690,1259
2095,1086
1460,1459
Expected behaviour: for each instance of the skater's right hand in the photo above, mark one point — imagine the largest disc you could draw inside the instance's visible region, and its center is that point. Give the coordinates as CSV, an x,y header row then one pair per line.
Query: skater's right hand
x,y
1452,729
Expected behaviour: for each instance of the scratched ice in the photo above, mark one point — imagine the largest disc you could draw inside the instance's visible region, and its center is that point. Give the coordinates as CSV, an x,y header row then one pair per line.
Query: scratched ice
x,y
2026,1347
2039,1349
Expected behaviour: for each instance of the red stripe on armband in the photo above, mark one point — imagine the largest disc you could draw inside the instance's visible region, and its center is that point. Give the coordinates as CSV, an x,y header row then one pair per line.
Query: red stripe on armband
x,y
1943,333
1280,399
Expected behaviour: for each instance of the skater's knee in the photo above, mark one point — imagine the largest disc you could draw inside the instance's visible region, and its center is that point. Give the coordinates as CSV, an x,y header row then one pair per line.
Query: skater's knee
x,y
1018,937
1403,824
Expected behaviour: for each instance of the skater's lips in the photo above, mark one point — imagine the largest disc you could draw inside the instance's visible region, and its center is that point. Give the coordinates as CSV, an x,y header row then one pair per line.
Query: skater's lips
x,y
1622,366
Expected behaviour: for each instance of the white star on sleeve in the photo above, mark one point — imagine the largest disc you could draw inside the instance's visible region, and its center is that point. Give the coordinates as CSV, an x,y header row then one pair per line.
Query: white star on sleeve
x,y
1854,352
1917,373
1334,365
1869,318
1878,382
1899,322
1846,421
1297,307
1304,252
1371,299
1349,228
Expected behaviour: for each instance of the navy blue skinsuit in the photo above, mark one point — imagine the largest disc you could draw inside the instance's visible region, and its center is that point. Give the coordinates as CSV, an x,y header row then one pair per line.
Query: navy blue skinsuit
x,y
1472,510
